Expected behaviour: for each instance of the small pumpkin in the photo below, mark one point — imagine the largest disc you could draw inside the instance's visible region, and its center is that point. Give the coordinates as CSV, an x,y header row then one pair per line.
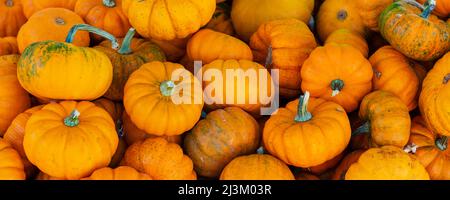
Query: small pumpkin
x,y
168,20
51,24
343,166
284,45
160,159
326,166
11,166
442,8
308,132
119,173
221,20
386,163
69,139
346,36
415,31
8,45
223,135
370,10
11,18
30,7
304,176
338,73
173,49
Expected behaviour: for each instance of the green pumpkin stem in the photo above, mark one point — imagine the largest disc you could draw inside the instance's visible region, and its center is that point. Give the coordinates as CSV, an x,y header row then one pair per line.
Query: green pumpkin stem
x,y
269,57
126,43
109,3
260,150
365,128
203,115
336,86
9,3
72,120
429,7
167,88
442,143
91,29
302,111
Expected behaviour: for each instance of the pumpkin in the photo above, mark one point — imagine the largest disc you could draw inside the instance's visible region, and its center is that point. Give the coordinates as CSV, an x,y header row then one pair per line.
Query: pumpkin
x,y
173,49
149,99
160,159
113,108
221,20
338,73
13,98
256,167
61,70
51,24
386,163
250,99
307,135
223,135
284,45
104,14
248,15
69,139
8,45
168,20
414,32
442,8
119,153
11,17
208,45
370,10
132,54
433,100
45,177
30,7
346,36
337,14
343,166
119,173
393,72
326,166
304,176
11,166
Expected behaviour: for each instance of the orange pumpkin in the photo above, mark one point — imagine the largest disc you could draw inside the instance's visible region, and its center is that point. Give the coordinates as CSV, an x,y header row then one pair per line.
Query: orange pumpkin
x,y
69,139
326,166
284,45
114,109
221,20
343,166
346,36
173,49
338,73
51,24
11,18
45,177
160,159
119,173
307,135
442,7
370,10
30,7
8,45
11,166
304,176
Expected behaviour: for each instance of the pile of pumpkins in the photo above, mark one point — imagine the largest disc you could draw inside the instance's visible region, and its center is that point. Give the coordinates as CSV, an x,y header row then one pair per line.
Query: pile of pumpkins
x,y
86,87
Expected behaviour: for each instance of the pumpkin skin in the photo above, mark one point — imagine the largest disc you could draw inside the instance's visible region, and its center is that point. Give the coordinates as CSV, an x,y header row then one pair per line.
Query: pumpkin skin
x,y
208,45
304,176
343,166
119,173
386,163
435,158
83,149
346,36
30,7
166,19
13,98
113,108
338,73
45,177
393,72
51,24
326,166
119,153
370,10
292,135
442,8
223,135
433,100
256,167
173,49
8,45
11,166
160,159
291,42
11,18
419,38
337,14
248,15
221,20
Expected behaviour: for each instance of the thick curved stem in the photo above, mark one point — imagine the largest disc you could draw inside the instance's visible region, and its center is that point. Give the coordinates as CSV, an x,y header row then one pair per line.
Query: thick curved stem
x,y
72,120
302,111
336,86
126,43
429,7
91,29
365,128
442,143
167,88
109,3
268,57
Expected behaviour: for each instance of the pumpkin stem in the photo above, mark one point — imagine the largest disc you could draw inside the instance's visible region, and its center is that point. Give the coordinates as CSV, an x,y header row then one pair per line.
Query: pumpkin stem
x,y
365,128
119,128
269,57
302,111
446,79
60,21
342,15
167,88
72,120
441,143
429,7
9,3
109,3
260,150
203,115
126,43
336,86
410,148
85,27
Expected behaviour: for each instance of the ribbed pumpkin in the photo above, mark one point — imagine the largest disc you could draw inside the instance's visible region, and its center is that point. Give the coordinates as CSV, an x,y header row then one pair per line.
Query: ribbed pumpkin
x,y
256,167
61,70
221,20
13,98
69,139
30,7
415,32
119,173
51,24
434,99
308,132
337,14
168,20
208,45
442,8
11,166
284,45
346,36
248,15
11,17
8,45
386,163
160,159
370,11
304,176
223,135
349,159
173,49
338,73
132,54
